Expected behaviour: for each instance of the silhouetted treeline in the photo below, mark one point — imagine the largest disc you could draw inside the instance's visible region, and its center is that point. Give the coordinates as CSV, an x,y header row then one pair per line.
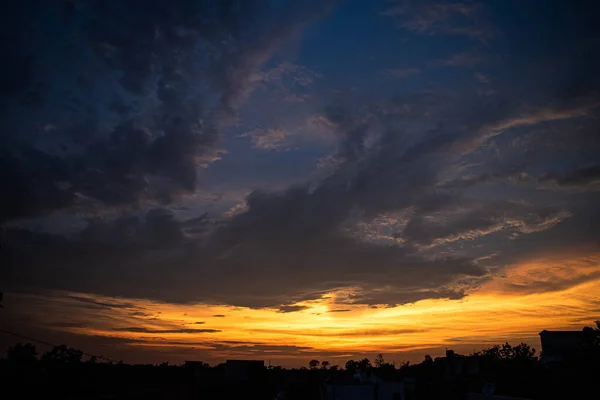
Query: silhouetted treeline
x,y
516,371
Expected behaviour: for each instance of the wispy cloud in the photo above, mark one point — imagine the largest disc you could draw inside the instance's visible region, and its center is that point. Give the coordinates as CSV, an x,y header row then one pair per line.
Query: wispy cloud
x,y
445,18
289,81
582,178
93,302
314,130
270,139
553,272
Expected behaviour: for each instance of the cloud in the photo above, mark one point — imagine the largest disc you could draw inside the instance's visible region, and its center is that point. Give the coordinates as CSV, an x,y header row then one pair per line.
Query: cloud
x,y
546,114
291,308
393,157
386,295
442,18
381,332
550,273
270,139
159,331
147,91
509,218
573,110
289,81
140,314
315,130
304,241
582,178
510,173
482,78
329,162
101,304
157,228
426,193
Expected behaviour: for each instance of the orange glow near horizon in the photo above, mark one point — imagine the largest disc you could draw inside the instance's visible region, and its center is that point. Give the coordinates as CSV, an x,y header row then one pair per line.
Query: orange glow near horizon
x,y
498,311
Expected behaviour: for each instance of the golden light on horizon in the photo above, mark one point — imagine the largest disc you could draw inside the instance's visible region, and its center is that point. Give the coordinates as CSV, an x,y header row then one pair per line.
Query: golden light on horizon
x,y
498,311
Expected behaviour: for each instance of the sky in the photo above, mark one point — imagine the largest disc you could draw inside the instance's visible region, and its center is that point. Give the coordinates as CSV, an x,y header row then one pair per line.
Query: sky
x,y
286,181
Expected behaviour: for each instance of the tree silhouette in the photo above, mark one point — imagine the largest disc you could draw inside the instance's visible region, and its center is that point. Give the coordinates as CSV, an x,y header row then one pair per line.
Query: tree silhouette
x,y
591,337
428,360
364,364
521,352
351,365
63,355
313,364
379,361
324,364
22,353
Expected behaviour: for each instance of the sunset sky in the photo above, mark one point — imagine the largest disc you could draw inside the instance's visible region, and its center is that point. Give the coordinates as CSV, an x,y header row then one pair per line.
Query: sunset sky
x,y
296,180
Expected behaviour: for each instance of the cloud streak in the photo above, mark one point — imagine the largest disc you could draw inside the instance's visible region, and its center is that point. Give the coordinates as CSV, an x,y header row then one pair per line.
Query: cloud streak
x,y
162,331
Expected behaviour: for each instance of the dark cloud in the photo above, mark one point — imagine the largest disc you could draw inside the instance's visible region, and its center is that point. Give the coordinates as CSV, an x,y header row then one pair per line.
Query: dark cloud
x,y
66,324
405,155
289,309
140,314
340,310
219,316
199,323
261,347
480,220
514,172
158,331
587,177
575,236
300,243
110,249
157,228
33,180
387,296
101,304
137,100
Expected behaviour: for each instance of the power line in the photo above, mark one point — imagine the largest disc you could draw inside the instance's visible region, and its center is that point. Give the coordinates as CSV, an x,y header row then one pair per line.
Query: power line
x,y
52,345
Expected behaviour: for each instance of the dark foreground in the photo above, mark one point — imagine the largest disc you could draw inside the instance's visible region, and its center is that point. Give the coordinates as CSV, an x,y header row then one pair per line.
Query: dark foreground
x,y
509,371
